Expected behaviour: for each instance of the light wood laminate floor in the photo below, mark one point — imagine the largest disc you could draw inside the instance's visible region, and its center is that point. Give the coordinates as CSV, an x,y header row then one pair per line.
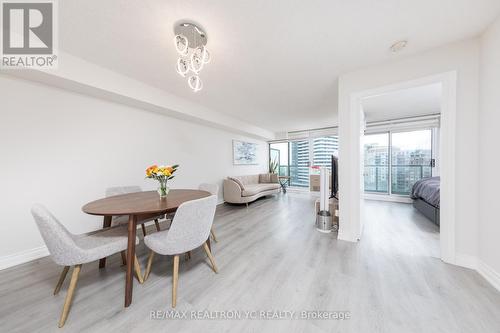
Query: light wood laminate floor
x,y
270,257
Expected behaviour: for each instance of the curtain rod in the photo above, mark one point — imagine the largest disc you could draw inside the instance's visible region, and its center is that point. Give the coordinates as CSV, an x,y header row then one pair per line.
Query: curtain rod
x,y
406,119
314,129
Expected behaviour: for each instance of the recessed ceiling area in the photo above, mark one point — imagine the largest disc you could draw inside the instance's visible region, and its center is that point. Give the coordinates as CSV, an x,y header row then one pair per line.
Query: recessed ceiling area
x,y
404,103
275,64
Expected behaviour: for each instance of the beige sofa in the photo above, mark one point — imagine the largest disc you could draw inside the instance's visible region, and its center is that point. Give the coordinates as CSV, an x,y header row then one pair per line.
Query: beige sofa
x,y
245,189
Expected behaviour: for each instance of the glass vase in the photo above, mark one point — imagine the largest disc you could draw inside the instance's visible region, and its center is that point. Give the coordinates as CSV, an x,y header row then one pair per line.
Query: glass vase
x,y
163,190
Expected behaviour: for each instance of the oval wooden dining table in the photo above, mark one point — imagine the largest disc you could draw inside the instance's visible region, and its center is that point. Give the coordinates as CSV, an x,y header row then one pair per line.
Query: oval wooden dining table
x,y
138,206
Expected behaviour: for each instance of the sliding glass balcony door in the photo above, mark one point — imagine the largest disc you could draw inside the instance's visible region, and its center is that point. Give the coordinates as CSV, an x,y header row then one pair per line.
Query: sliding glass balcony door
x,y
411,154
278,154
376,149
397,158
299,163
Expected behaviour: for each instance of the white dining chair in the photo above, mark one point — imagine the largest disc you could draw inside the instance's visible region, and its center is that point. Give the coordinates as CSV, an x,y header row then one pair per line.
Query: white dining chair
x,y
123,220
214,190
68,250
189,230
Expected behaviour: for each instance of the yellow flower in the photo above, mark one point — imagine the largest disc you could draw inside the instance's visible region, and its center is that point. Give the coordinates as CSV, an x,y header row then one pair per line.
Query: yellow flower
x,y
159,171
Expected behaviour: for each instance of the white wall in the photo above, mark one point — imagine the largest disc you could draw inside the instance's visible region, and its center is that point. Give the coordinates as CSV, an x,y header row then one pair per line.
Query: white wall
x,y
489,158
63,149
79,75
462,57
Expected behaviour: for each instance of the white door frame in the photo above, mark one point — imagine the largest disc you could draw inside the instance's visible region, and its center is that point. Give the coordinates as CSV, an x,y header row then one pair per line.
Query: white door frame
x,y
448,81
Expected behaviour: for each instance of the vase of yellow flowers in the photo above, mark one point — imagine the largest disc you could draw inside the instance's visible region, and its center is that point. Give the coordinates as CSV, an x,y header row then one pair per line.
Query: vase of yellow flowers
x,y
162,174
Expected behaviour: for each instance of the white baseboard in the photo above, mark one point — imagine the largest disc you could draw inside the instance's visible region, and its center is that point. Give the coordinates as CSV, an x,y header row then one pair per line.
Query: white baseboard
x,y
483,269
466,261
23,257
489,274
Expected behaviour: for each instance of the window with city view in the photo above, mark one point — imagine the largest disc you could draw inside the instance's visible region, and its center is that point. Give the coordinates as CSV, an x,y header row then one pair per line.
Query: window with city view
x,y
402,160
296,157
376,162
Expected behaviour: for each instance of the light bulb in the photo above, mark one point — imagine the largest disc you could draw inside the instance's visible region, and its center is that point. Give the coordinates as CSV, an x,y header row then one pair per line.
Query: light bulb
x,y
203,54
182,66
195,83
181,44
196,64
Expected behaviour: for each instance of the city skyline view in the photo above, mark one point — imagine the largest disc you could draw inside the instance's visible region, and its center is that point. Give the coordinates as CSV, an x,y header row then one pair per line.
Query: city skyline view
x,y
407,160
297,157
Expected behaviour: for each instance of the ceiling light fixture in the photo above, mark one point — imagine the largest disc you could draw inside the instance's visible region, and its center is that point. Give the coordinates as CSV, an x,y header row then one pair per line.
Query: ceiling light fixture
x,y
399,45
190,42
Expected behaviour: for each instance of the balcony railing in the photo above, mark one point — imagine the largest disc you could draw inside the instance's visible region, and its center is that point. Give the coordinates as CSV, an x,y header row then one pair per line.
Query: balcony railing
x,y
402,179
299,175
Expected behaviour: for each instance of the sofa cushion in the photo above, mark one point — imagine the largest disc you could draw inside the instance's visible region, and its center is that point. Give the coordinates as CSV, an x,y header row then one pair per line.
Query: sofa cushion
x,y
248,179
257,188
237,181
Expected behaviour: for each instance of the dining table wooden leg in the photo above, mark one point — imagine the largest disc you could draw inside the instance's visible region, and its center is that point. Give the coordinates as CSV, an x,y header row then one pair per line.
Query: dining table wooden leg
x,y
208,243
105,224
129,280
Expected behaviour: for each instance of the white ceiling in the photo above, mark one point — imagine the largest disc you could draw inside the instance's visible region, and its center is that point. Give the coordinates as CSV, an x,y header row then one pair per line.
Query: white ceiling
x,y
404,103
275,63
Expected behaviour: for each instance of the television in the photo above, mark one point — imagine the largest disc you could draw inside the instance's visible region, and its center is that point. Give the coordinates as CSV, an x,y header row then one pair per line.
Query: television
x,y
335,177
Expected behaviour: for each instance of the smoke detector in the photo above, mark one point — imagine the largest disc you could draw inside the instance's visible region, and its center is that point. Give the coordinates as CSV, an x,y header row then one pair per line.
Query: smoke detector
x,y
399,45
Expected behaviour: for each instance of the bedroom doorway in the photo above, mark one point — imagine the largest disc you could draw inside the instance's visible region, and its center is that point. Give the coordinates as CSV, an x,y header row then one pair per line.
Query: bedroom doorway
x,y
401,146
351,132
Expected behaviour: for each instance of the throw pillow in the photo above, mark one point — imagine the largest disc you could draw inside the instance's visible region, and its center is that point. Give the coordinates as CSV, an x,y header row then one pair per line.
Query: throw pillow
x,y
274,178
264,178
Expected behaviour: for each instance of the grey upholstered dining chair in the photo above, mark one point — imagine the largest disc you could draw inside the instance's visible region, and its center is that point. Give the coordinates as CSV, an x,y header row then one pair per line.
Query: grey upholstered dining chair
x,y
123,220
68,250
213,189
190,229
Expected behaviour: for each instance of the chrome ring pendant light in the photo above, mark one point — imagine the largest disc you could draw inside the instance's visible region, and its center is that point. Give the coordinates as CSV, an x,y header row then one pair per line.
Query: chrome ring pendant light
x,y
190,42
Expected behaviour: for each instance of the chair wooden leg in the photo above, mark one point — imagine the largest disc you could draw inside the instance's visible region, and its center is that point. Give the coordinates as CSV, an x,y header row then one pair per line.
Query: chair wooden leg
x,y
157,224
148,267
124,258
209,244
213,234
187,256
69,295
137,269
143,229
210,257
61,280
175,280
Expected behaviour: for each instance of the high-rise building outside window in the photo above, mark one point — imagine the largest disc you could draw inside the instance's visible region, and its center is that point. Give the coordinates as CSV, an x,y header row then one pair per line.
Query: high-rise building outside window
x,y
400,157
297,157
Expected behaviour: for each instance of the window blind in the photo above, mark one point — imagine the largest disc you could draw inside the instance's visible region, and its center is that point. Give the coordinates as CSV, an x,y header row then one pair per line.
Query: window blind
x,y
403,124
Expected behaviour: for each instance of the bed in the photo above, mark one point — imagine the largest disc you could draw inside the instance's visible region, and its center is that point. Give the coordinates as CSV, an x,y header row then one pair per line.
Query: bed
x,y
426,197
